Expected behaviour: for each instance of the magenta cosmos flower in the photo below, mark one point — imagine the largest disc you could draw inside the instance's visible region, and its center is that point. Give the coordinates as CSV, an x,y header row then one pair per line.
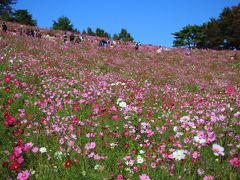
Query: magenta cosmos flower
x,y
230,90
23,175
235,162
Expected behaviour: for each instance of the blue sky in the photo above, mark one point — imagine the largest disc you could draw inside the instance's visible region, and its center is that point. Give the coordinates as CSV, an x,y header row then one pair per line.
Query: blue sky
x,y
149,21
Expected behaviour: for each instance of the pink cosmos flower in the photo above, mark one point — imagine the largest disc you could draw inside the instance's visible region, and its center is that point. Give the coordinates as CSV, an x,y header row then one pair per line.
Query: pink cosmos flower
x,y
150,134
17,95
24,85
27,146
144,177
200,171
211,136
195,155
115,117
235,162
201,134
61,141
35,149
208,178
75,91
81,101
96,109
90,145
70,143
218,150
139,110
120,177
20,160
96,157
153,165
17,151
23,175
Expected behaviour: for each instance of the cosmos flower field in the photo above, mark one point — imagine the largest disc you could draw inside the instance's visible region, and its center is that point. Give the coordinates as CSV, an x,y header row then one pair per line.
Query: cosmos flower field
x,y
85,112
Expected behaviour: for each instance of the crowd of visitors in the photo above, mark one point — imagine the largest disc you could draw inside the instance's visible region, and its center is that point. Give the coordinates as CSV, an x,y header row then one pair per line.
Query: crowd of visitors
x,y
22,31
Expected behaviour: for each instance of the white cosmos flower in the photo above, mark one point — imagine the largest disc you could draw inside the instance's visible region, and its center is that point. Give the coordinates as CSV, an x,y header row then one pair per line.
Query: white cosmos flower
x,y
139,159
58,154
175,128
130,162
43,149
199,140
97,166
112,145
178,155
119,100
122,104
179,133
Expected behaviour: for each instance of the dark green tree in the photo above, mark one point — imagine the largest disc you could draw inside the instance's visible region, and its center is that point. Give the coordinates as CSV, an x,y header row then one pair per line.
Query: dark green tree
x,y
22,16
123,35
220,33
213,35
190,36
63,23
229,23
6,16
90,32
6,7
102,33
115,37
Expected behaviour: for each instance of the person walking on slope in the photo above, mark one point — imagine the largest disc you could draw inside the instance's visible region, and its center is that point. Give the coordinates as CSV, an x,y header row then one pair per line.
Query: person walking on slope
x,y
4,27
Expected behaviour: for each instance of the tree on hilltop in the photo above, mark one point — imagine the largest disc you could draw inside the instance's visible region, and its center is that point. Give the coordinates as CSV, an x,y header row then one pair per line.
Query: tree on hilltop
x,y
229,24
102,33
217,33
6,9
90,32
123,35
6,5
22,16
213,35
63,23
190,36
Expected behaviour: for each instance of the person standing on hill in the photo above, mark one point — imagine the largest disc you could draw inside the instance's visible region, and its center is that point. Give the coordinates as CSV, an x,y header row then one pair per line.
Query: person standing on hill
x,y
38,34
65,37
72,37
4,27
136,46
77,39
32,33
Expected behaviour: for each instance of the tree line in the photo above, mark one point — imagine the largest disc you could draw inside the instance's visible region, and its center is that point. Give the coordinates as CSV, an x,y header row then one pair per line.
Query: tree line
x,y
64,23
22,16
218,33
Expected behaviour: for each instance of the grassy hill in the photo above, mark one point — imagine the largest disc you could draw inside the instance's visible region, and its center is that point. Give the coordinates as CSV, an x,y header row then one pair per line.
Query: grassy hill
x,y
87,112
